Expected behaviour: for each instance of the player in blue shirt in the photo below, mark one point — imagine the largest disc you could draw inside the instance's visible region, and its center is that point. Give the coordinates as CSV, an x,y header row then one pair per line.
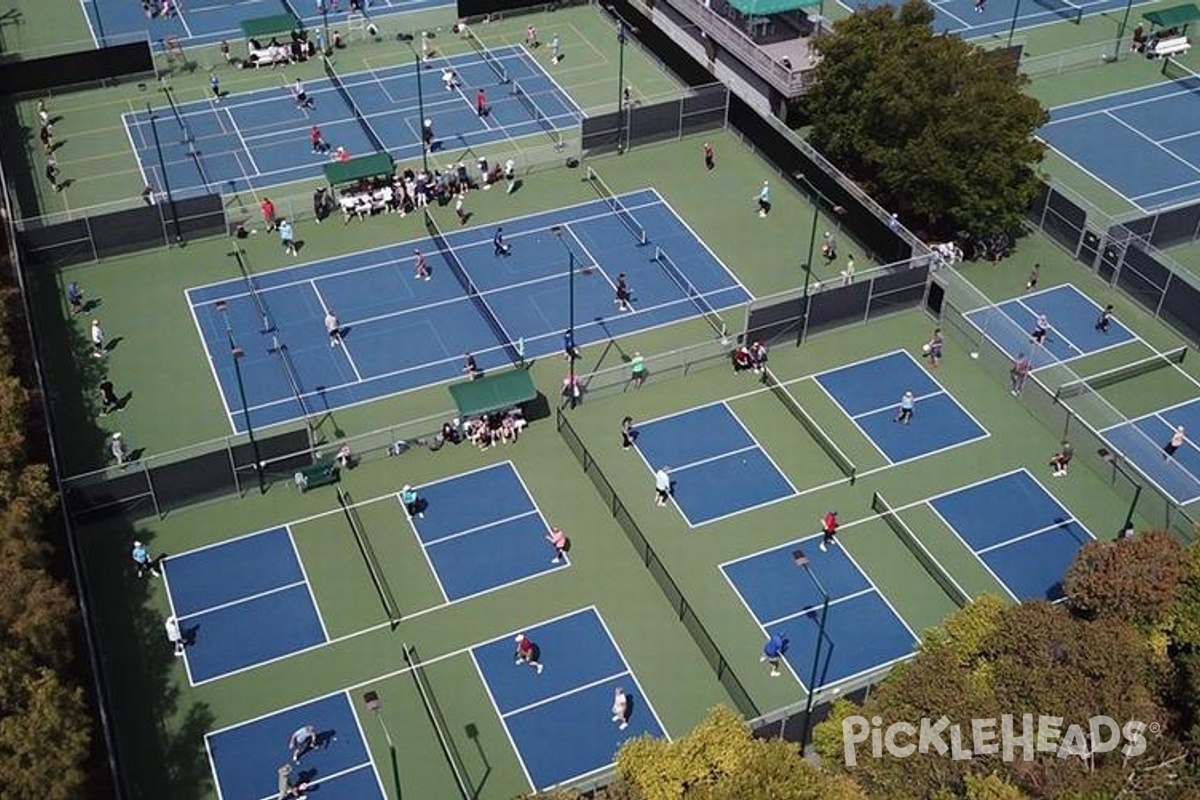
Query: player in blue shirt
x,y
773,652
141,558
412,501
498,243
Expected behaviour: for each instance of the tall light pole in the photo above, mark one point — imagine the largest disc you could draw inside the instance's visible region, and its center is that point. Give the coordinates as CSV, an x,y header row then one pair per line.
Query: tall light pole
x,y
237,353
558,233
623,31
1012,28
817,198
372,701
802,561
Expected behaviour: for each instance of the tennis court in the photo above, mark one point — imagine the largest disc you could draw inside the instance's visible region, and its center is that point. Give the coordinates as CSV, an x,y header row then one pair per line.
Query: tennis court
x,y
1177,475
1023,536
1143,144
400,333
559,721
996,17
1072,316
481,531
869,393
717,467
256,139
245,756
242,602
863,632
198,22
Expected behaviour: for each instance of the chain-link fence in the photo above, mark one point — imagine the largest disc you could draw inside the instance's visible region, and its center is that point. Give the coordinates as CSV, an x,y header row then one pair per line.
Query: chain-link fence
x,y
1080,418
705,108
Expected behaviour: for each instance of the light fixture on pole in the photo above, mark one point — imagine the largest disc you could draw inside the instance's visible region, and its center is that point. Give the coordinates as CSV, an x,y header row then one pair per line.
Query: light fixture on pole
x,y
420,105
375,705
162,166
623,31
802,561
237,354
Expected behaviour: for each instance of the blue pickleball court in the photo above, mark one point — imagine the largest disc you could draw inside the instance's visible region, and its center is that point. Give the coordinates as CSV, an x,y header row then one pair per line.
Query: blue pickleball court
x,y
1072,316
256,139
560,721
241,603
1141,441
869,393
245,756
482,531
717,467
401,333
862,632
1016,528
1143,144
995,18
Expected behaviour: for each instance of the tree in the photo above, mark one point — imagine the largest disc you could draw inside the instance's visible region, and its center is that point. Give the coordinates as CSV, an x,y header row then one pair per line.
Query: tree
x,y
934,127
721,760
1134,579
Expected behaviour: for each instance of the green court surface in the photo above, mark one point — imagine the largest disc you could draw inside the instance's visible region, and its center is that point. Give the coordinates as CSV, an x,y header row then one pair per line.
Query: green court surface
x,y
160,718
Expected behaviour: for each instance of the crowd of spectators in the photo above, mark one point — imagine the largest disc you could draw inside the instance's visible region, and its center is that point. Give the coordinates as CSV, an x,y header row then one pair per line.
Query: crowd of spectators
x,y
406,191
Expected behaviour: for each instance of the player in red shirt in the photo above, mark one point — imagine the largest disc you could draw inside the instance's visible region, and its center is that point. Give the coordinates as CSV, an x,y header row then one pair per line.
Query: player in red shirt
x,y
829,526
527,653
481,102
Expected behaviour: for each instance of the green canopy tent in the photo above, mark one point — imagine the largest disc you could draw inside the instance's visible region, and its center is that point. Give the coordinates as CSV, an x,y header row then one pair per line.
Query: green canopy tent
x,y
1174,17
493,393
266,27
347,173
758,17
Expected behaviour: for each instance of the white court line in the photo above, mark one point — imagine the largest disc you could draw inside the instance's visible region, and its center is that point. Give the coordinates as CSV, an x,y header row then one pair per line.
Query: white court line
x,y
363,736
718,457
761,447
242,140
1030,535
425,552
244,599
805,611
816,379
333,776
307,582
1147,139
483,527
345,349
496,707
212,364
982,563
1037,315
704,244
562,695
896,405
171,605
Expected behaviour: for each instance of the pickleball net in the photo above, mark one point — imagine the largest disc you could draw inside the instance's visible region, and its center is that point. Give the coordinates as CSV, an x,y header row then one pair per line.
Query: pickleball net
x,y
691,292
1175,70
920,552
485,55
1125,372
433,710
618,208
336,81
378,580
809,424
460,272
539,116
1063,8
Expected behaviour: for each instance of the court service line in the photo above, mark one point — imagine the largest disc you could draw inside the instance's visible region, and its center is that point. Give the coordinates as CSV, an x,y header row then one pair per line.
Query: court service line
x,y
250,598
1168,190
968,547
242,140
810,609
171,605
363,738
1147,139
1037,315
896,405
483,527
562,695
212,362
595,262
1091,174
641,691
752,446
1031,534
499,715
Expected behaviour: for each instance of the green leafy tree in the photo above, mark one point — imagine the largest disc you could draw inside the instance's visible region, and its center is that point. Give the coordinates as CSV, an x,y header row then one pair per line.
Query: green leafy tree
x,y
1134,579
931,125
721,760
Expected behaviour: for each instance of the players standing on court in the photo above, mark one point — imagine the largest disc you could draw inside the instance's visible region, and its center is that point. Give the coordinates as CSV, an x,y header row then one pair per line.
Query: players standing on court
x,y
498,245
904,414
301,741
933,348
412,502
829,526
481,104
333,328
527,653
1105,319
1018,373
628,434
1034,273
620,708
1178,437
662,487
710,161
1041,329
555,50
623,294
531,37
470,368
773,653
1062,459
97,337
764,199
300,96
420,266
142,561
558,540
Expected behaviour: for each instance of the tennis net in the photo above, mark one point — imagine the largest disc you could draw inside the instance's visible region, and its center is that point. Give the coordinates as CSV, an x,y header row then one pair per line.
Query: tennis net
x,y
915,546
486,55
618,208
1177,71
689,289
434,711
376,142
386,598
538,115
460,272
809,424
1108,377
1063,8
289,370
